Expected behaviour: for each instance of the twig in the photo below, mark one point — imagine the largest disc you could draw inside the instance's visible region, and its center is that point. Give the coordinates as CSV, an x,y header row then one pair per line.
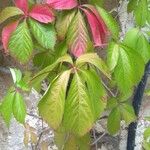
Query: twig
x,y
108,89
95,142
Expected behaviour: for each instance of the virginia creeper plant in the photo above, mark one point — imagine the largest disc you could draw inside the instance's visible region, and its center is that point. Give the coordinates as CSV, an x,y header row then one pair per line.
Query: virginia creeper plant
x,y
61,37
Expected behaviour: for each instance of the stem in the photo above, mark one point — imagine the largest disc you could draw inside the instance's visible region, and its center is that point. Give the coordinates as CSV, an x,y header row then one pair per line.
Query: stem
x,y
137,100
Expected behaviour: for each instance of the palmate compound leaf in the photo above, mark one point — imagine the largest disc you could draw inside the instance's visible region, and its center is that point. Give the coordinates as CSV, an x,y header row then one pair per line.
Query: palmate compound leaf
x,y
94,59
135,39
77,36
78,114
44,33
128,66
9,12
96,91
20,44
51,106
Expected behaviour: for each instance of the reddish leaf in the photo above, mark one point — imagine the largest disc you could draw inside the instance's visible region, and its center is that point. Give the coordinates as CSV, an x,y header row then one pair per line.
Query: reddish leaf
x,y
62,4
6,34
42,13
22,4
97,25
77,36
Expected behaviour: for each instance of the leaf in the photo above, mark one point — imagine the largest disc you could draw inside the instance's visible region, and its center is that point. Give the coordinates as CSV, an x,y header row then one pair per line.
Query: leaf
x,y
112,103
40,76
141,12
97,25
77,36
63,22
147,133
48,59
44,34
78,115
6,34
112,55
110,22
62,4
84,142
113,122
95,60
19,108
96,91
20,43
135,39
129,69
97,2
6,107
9,12
42,13
51,106
22,4
132,5
128,113
16,74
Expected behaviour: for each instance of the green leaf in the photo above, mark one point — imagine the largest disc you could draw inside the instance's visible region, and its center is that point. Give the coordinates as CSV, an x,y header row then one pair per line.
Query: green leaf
x,y
19,108
51,106
110,22
147,133
141,12
132,5
48,59
96,91
84,142
113,122
20,43
78,115
112,103
97,2
129,69
6,107
112,55
40,76
135,39
44,33
63,22
95,60
16,74
128,113
9,12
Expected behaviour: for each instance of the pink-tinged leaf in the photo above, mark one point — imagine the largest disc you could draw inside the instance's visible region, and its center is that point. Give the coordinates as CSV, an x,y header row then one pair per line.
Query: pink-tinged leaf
x,y
42,13
62,4
6,34
97,25
77,36
22,4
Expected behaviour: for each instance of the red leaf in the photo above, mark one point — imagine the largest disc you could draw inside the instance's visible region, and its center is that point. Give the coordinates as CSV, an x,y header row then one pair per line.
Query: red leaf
x,y
42,13
97,25
6,34
62,4
22,4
